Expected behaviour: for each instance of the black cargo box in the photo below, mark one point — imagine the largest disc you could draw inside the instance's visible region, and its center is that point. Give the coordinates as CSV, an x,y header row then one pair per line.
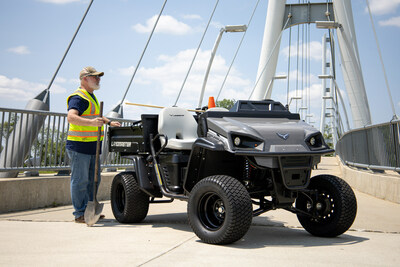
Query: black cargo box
x,y
134,139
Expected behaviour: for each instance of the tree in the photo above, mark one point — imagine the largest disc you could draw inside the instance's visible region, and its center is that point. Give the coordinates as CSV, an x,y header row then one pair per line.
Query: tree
x,y
328,136
226,103
7,128
49,147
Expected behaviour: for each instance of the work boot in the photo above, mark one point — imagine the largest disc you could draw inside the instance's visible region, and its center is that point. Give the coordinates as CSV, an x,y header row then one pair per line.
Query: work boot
x,y
80,219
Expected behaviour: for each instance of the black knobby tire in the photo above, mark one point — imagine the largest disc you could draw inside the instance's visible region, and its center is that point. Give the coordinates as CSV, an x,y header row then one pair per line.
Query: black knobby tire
x,y
129,204
334,209
220,210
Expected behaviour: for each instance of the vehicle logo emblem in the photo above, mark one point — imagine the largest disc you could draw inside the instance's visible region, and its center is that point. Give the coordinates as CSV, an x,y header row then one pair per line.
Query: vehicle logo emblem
x,y
283,136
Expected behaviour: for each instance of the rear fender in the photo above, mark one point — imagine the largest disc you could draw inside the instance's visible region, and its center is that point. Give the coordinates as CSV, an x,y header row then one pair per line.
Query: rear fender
x,y
144,176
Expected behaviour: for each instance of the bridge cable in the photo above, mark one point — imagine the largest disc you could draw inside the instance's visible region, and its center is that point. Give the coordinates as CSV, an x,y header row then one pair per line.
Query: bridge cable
x,y
302,71
269,58
333,73
309,69
237,50
69,46
307,63
383,65
195,55
332,67
297,63
144,50
288,72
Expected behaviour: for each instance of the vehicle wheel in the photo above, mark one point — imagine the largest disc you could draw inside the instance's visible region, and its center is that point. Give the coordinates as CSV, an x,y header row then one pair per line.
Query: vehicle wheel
x,y
334,208
129,204
220,209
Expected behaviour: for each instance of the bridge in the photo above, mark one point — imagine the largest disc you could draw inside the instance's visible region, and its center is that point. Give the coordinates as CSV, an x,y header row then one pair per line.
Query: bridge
x,y
34,207
49,236
33,139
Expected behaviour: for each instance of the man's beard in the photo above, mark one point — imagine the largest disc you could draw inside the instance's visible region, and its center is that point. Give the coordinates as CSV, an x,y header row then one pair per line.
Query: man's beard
x,y
94,85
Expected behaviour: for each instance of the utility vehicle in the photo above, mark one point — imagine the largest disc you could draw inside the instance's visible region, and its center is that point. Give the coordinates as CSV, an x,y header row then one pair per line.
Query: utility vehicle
x,y
229,166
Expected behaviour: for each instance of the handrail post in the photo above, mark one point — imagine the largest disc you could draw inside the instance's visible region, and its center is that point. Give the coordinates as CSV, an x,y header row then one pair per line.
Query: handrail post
x,y
396,144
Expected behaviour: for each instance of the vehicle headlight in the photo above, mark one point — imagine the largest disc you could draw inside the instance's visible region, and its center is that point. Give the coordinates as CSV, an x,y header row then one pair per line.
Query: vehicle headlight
x,y
312,141
237,141
316,142
243,141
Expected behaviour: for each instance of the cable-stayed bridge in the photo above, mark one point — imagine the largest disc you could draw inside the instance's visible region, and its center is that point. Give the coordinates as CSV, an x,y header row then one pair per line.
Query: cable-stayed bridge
x,y
33,139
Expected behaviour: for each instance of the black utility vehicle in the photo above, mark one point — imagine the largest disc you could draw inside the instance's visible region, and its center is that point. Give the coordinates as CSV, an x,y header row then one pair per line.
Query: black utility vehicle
x,y
224,163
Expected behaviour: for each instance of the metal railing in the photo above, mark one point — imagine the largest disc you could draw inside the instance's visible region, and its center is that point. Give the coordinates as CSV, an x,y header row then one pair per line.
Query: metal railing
x,y
373,147
47,134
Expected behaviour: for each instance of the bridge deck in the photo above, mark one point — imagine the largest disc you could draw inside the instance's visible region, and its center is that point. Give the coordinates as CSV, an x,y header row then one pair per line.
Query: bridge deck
x,y
49,236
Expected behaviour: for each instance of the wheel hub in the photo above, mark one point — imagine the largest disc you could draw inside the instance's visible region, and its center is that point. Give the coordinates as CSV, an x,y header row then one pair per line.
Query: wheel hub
x,y
324,206
219,208
212,211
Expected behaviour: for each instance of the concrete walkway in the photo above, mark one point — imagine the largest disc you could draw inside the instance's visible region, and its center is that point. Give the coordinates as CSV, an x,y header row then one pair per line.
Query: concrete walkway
x,y
49,237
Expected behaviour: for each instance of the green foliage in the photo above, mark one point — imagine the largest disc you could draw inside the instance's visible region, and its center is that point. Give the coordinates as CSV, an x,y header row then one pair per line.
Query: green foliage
x,y
52,152
7,128
328,136
226,103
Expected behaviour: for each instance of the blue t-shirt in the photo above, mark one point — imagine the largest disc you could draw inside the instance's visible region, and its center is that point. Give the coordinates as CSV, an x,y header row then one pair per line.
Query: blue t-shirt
x,y
80,104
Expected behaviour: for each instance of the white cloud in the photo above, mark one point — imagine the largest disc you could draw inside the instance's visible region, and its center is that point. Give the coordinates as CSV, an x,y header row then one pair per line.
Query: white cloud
x,y
191,16
315,48
311,97
20,50
126,71
65,80
381,7
134,112
314,91
166,24
217,24
60,80
59,2
298,76
15,89
167,78
395,21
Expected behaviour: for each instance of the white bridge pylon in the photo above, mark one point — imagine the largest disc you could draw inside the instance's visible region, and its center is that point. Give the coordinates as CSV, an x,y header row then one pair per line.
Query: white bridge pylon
x,y
281,15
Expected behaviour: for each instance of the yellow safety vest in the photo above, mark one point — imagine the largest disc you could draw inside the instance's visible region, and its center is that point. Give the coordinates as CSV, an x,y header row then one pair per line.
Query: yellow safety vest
x,y
85,133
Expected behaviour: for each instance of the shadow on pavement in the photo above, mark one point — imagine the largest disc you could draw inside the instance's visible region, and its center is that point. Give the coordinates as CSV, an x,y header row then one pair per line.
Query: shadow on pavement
x,y
176,221
258,236
267,236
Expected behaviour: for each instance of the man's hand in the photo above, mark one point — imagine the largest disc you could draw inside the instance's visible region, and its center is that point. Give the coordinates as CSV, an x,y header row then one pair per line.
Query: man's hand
x,y
97,122
74,118
115,124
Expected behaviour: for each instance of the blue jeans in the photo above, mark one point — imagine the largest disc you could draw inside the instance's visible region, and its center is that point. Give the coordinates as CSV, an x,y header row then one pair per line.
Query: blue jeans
x,y
82,180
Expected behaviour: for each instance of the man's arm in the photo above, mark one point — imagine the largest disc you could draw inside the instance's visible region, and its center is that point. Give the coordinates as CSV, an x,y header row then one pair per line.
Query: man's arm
x,y
111,123
74,118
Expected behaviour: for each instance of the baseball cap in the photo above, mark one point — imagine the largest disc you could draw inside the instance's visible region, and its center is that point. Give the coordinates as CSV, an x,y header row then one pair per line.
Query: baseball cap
x,y
89,71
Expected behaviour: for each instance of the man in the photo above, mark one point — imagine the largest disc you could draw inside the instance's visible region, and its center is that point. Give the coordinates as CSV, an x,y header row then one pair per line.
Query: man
x,y
84,120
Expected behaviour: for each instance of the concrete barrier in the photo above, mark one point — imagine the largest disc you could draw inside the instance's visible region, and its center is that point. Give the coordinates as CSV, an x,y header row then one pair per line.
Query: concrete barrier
x,y
381,185
18,194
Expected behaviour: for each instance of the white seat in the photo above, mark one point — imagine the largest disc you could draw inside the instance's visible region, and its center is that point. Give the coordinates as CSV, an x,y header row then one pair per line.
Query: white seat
x,y
179,126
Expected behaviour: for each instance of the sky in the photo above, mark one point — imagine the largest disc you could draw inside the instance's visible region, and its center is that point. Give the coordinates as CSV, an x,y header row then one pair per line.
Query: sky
x,y
34,35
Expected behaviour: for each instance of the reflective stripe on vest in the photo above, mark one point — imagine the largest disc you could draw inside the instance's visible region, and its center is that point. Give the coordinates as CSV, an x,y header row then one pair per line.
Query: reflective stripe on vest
x,y
85,133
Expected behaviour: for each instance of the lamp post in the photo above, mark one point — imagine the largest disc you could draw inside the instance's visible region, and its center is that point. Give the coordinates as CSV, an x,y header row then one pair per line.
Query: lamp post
x,y
229,28
340,96
327,25
278,77
291,99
